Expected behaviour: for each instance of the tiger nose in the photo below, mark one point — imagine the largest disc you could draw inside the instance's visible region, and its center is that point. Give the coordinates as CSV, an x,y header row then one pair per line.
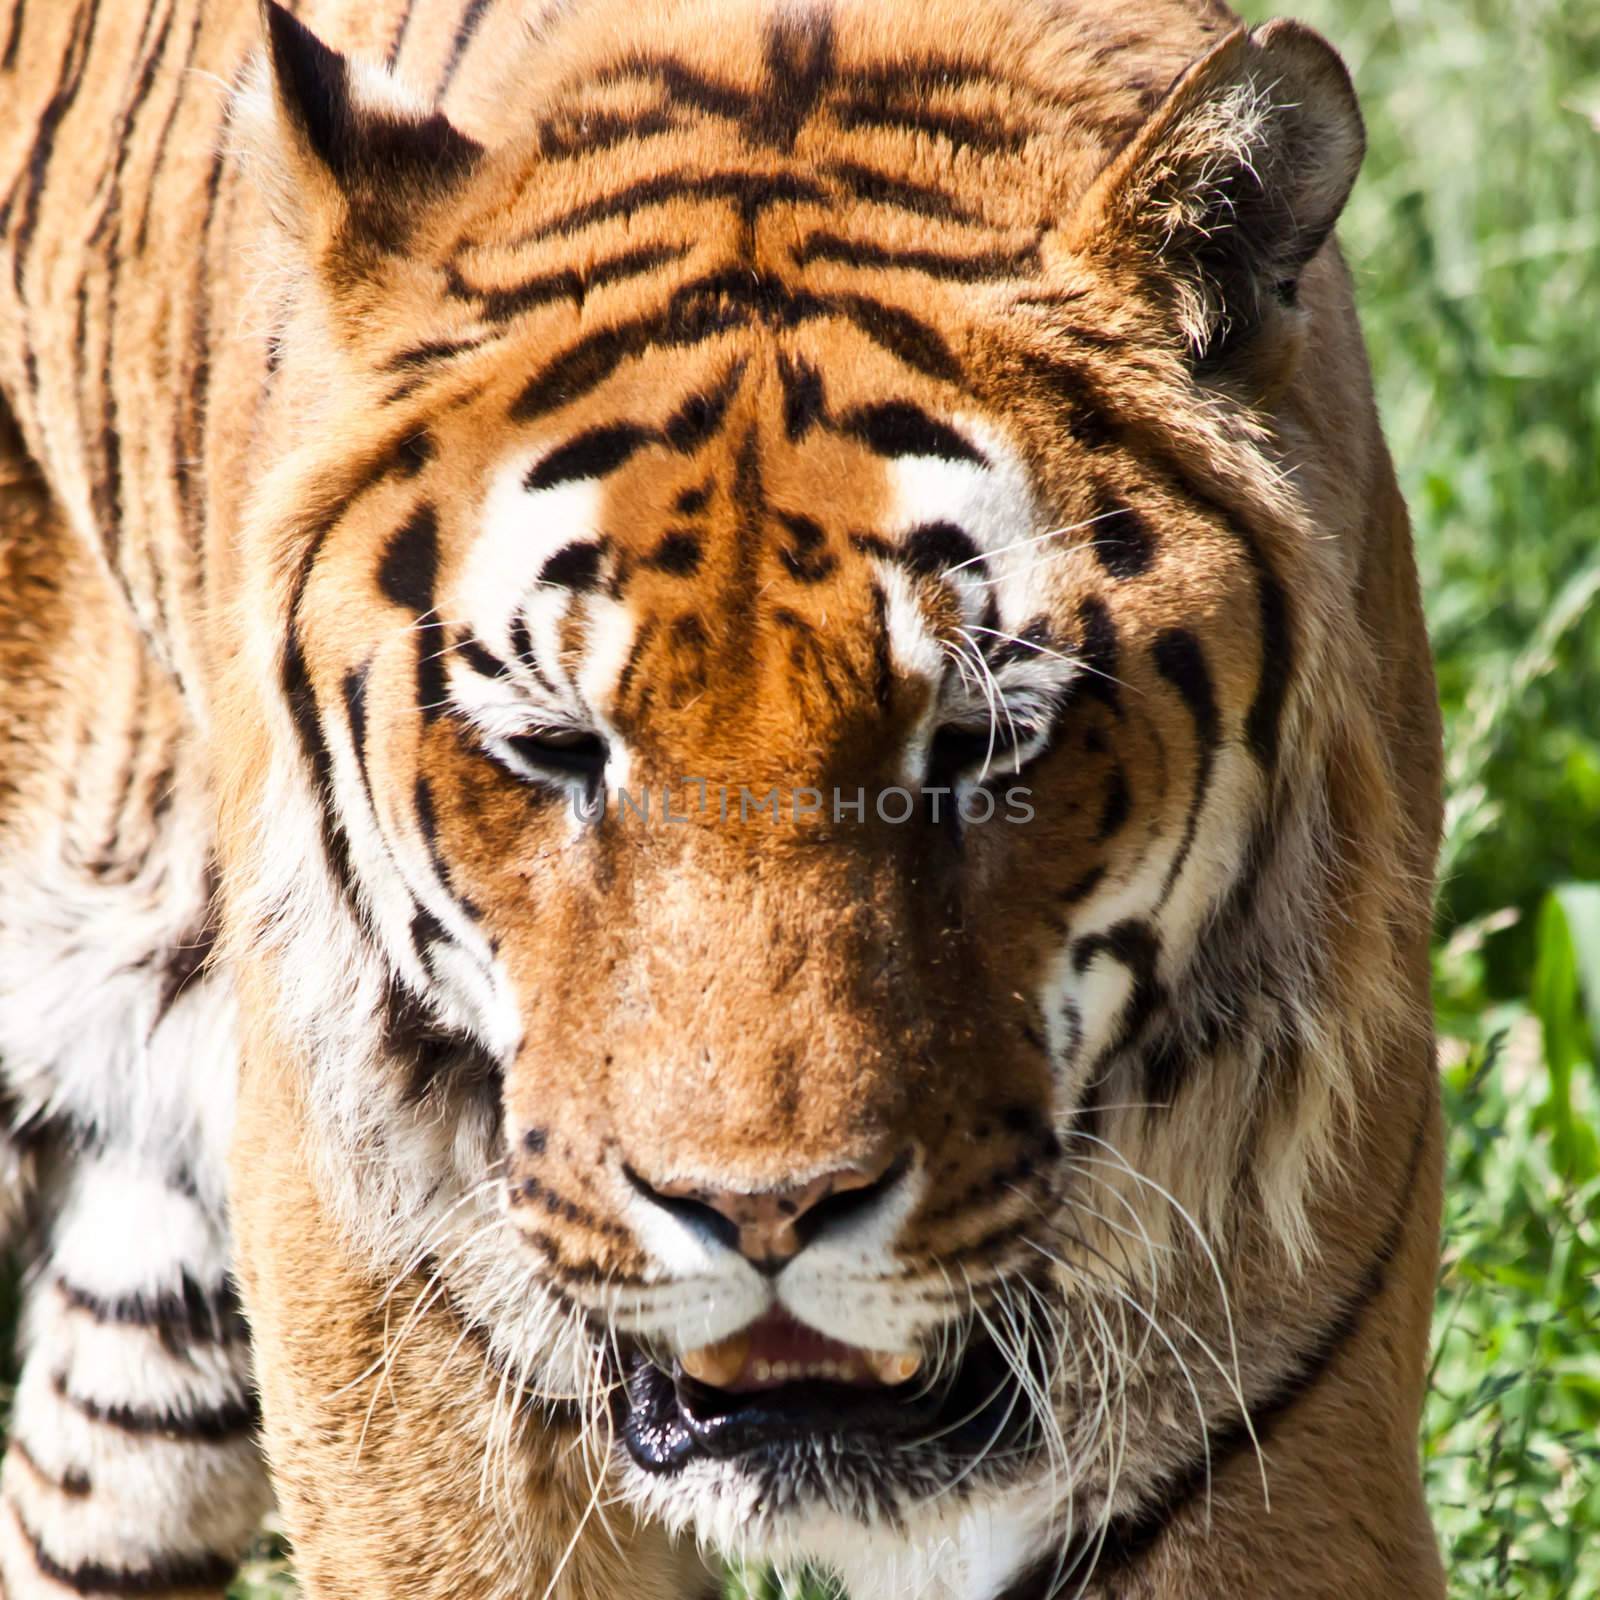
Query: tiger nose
x,y
770,1227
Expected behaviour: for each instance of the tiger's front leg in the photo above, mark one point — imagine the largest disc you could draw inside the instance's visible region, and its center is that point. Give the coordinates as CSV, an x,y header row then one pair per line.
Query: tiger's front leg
x,y
406,1463
132,1465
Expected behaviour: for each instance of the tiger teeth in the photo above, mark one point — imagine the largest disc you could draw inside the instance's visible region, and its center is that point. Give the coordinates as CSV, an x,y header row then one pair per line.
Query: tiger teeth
x,y
718,1364
721,1364
892,1366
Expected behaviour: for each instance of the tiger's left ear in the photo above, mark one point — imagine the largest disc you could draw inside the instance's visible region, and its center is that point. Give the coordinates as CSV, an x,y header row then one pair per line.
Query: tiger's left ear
x,y
348,144
1231,186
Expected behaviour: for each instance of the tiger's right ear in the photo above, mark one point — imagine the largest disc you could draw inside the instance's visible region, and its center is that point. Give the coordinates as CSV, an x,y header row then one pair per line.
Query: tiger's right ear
x,y
347,145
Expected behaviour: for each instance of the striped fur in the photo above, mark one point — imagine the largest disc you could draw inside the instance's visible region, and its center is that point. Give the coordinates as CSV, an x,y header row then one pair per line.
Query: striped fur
x,y
484,482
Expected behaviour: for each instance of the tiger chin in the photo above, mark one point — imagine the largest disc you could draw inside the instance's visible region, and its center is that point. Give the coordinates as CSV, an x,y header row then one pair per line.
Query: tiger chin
x,y
720,783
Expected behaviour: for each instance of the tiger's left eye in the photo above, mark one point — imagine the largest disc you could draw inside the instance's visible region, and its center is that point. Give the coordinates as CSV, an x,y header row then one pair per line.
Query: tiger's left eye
x,y
577,752
960,750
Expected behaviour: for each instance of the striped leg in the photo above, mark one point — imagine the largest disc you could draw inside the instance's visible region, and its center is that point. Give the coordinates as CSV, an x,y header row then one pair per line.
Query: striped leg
x,y
132,1466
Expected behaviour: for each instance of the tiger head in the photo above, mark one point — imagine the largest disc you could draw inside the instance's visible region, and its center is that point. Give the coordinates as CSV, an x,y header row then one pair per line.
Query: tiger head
x,y
825,822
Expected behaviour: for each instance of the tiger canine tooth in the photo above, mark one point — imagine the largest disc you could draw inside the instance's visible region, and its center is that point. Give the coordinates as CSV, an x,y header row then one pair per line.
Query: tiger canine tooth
x,y
892,1366
717,1364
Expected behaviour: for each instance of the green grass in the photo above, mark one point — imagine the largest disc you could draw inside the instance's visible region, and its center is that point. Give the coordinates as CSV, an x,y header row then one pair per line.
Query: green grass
x,y
1475,237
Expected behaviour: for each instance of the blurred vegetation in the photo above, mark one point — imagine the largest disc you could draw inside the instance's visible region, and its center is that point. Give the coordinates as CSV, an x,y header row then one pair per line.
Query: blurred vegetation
x,y
1475,239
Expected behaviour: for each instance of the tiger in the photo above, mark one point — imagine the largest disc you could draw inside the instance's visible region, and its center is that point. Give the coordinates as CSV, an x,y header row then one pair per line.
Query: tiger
x,y
720,780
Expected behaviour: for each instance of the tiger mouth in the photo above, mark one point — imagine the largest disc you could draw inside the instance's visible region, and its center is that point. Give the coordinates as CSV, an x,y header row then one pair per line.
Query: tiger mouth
x,y
782,1385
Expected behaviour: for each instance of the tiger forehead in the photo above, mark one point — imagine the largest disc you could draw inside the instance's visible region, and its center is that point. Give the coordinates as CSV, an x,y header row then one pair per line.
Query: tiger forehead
x,y
757,465
819,98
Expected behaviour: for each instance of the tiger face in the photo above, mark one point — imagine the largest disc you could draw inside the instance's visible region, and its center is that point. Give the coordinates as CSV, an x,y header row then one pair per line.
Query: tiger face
x,y
815,639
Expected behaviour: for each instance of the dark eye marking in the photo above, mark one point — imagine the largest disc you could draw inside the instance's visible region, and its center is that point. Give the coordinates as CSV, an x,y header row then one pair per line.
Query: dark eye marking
x,y
412,454
576,567
482,661
590,455
936,547
678,554
807,559
902,429
574,752
1123,542
411,562
700,416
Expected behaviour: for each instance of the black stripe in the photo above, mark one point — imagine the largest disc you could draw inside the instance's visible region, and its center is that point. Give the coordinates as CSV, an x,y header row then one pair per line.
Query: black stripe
x,y
106,485
806,558
592,454
915,342
583,133
804,403
207,1573
1136,946
992,138
882,650
1089,420
1082,887
484,662
575,566
1115,808
885,189
678,553
641,642
1277,660
8,57
903,429
569,283
189,1314
1098,652
433,690
799,67
682,84
295,684
458,45
428,827
979,268
196,1425
301,698
353,691
701,416
1128,1539
397,43
935,547
431,1056
410,564
753,192
189,414
426,355
188,959
1181,661
1123,543
152,185
32,177
1263,721
717,304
